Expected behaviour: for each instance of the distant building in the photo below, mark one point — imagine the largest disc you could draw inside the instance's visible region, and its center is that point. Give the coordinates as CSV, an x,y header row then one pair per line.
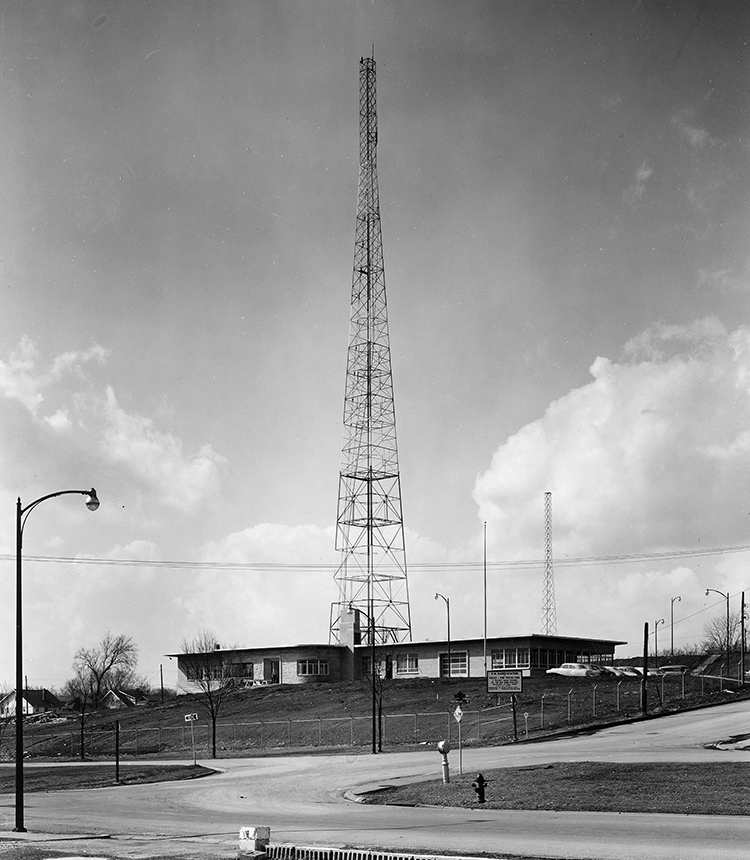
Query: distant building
x,y
33,702
124,699
533,654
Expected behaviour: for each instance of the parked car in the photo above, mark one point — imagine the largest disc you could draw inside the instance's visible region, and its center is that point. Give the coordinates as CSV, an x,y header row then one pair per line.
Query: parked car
x,y
674,669
651,672
575,670
611,670
630,672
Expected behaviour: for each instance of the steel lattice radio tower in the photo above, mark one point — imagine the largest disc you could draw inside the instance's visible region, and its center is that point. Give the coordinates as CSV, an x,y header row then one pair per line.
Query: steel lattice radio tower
x,y
549,614
371,577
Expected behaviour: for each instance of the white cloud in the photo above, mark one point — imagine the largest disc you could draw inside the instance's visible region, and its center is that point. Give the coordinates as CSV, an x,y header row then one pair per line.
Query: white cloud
x,y
75,419
19,379
637,187
698,138
649,456
723,280
155,457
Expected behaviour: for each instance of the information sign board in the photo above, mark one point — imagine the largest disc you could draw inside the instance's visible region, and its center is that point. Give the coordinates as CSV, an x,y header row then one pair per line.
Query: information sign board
x,y
504,681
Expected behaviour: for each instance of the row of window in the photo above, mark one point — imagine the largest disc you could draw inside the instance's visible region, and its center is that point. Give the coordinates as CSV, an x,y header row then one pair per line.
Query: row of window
x,y
455,665
245,670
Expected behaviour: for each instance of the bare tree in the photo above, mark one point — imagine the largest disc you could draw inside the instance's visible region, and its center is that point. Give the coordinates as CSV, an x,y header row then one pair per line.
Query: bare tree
x,y
5,722
715,634
214,670
96,670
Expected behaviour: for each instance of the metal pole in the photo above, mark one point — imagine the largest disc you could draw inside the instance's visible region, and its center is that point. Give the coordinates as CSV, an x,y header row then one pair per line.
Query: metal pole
x,y
742,640
19,824
117,751
728,642
671,627
448,610
21,514
484,566
656,642
450,662
644,681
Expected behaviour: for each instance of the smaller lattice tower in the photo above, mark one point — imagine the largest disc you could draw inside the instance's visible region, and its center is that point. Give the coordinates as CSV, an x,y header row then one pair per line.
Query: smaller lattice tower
x,y
371,578
549,614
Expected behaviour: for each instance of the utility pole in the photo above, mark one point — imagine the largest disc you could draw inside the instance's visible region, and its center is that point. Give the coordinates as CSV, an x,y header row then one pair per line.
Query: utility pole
x,y
371,577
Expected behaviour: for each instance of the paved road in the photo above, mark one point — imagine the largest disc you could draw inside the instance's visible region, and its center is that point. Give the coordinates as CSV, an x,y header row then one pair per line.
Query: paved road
x,y
310,800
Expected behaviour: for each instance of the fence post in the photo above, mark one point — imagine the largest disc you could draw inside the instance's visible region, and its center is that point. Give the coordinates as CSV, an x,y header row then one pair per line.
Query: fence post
x,y
289,736
261,734
619,684
593,708
320,732
541,715
415,728
351,730
569,694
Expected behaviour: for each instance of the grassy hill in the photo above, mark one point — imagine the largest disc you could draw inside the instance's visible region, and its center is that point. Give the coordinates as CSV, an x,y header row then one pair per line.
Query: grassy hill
x,y
339,715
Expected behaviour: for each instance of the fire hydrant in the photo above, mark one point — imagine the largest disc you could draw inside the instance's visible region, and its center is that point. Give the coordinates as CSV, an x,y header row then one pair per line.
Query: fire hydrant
x,y
478,785
444,748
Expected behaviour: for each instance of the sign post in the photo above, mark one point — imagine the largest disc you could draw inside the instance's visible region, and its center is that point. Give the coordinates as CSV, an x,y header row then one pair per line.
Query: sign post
x,y
457,714
191,718
506,681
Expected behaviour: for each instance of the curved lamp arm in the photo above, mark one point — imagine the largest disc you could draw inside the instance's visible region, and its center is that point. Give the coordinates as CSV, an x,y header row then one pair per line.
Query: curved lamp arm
x,y
92,504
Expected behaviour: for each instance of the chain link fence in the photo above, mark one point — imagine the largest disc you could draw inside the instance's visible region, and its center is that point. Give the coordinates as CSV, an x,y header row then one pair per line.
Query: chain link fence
x,y
517,717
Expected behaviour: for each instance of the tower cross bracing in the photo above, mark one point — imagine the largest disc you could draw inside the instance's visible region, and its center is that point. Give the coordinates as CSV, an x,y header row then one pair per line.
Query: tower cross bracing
x,y
549,610
372,576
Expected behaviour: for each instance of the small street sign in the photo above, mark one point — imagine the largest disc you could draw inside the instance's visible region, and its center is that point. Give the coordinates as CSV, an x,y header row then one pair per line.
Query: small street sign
x,y
190,717
458,713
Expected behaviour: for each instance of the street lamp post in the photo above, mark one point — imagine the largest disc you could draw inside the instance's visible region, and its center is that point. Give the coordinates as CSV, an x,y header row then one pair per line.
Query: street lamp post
x,y
22,514
656,642
671,627
726,597
448,610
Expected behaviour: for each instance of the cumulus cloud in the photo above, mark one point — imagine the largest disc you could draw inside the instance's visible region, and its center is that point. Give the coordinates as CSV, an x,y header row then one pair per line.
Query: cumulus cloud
x,y
20,380
154,456
637,187
723,280
649,456
698,138
76,418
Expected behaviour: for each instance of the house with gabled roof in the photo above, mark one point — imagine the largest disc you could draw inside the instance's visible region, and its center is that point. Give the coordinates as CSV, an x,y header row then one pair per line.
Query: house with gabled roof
x,y
33,702
124,699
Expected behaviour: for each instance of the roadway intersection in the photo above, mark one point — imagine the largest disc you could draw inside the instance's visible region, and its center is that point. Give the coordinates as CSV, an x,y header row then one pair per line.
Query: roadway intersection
x,y
312,800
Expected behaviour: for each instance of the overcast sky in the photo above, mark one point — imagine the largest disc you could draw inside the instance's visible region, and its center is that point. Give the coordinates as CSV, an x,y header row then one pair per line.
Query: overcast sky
x,y
564,198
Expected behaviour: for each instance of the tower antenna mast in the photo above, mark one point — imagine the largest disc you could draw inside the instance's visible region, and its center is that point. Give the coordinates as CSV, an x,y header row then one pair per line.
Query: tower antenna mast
x,y
371,577
549,613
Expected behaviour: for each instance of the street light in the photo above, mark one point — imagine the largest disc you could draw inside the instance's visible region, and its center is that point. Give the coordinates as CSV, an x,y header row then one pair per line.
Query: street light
x,y
448,610
671,626
726,597
656,642
92,503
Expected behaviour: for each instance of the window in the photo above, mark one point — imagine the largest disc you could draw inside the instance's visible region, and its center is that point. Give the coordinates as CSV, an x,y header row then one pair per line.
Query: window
x,y
511,658
407,664
312,667
459,665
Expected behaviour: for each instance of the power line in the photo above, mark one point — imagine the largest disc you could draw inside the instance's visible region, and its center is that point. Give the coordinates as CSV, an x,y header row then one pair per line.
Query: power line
x,y
292,567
